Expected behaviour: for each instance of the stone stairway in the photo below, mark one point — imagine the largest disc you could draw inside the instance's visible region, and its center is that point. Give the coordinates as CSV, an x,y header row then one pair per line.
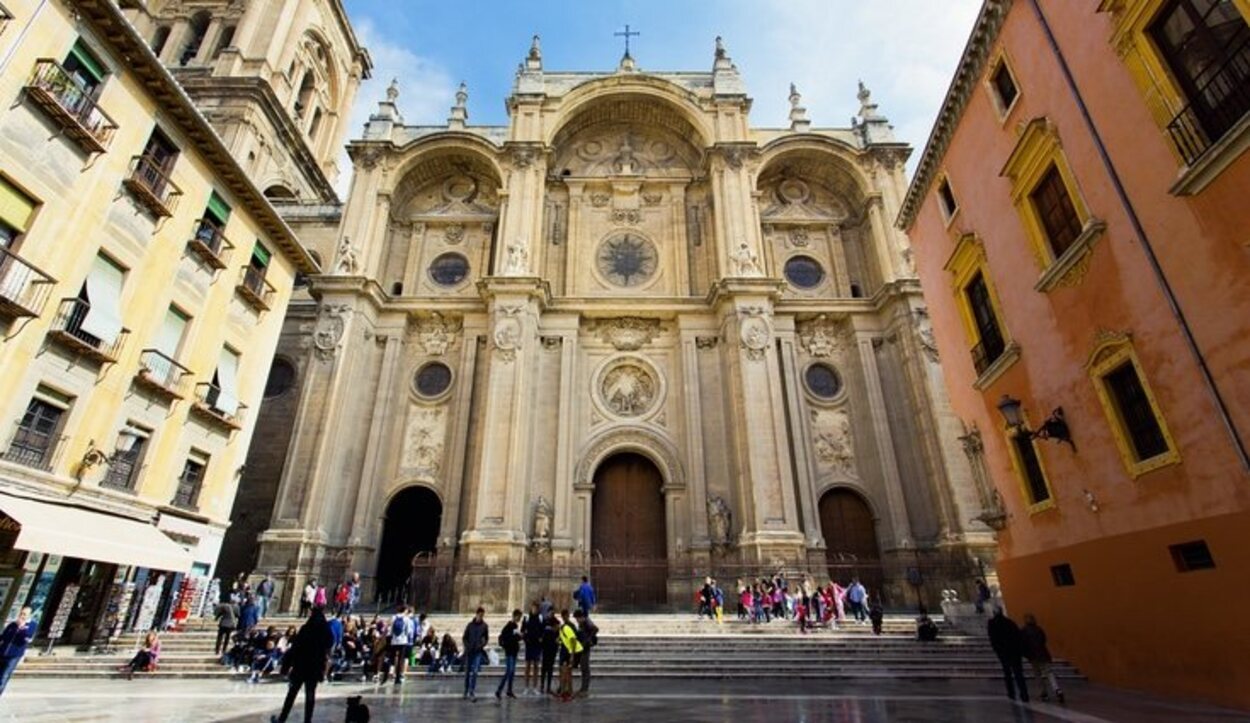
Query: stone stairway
x,y
640,646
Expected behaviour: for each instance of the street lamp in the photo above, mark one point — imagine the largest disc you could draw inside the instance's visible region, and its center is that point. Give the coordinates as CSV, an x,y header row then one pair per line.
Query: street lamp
x,y
1053,427
127,438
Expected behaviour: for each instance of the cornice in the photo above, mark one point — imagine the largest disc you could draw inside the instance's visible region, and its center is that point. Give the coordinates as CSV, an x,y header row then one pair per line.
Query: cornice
x,y
963,84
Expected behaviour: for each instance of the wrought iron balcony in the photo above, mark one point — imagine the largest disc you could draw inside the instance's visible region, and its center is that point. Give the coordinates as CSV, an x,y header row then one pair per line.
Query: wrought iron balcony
x,y
151,187
67,330
161,375
210,245
70,106
24,289
31,449
205,405
1222,101
987,352
255,288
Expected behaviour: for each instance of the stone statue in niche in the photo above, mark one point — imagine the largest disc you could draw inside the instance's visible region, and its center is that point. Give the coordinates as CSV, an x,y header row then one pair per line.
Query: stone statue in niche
x,y
541,537
347,257
518,261
628,390
746,263
719,521
832,440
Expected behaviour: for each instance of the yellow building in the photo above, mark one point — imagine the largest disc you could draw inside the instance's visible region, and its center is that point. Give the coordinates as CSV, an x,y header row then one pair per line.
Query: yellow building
x,y
143,282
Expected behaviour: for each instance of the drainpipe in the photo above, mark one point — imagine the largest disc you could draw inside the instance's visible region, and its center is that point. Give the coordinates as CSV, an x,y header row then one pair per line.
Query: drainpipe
x,y
1173,304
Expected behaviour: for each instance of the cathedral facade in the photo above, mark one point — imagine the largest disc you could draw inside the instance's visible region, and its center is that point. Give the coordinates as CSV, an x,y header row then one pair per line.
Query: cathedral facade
x,y
626,335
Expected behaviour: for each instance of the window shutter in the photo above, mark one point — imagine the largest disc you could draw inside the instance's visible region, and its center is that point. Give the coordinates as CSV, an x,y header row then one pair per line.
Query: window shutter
x,y
16,208
218,210
88,62
261,255
227,379
104,292
171,333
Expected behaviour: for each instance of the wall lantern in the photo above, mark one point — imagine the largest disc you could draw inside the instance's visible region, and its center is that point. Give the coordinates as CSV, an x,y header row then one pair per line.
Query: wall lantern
x,y
127,438
1054,427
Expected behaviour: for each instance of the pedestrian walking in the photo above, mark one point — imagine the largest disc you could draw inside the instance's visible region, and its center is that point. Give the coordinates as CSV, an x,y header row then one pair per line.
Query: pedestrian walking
x,y
304,664
264,592
585,595
588,636
570,649
476,637
532,631
319,597
227,614
877,616
13,642
402,630
983,596
1006,642
857,596
353,593
1033,639
510,641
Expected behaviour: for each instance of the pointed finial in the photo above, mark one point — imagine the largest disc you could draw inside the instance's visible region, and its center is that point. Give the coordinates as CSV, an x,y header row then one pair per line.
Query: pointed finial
x,y
392,91
462,95
798,114
459,111
720,47
867,109
795,98
536,51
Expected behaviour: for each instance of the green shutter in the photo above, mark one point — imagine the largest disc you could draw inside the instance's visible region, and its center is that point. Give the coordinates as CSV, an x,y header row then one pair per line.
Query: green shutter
x,y
260,254
15,207
218,210
88,62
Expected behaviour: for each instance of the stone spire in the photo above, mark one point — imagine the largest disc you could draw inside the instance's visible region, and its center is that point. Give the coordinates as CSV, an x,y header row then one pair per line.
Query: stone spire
x,y
387,115
867,109
871,125
460,111
725,78
534,61
798,114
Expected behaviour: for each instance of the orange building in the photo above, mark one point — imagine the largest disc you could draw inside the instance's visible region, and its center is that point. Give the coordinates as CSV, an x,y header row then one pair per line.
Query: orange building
x,y
1080,220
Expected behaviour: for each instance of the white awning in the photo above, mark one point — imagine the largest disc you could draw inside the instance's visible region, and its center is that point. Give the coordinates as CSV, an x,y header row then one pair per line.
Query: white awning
x,y
228,384
75,532
104,293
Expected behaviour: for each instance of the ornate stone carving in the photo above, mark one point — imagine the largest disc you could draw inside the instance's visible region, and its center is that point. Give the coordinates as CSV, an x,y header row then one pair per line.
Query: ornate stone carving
x,y
628,333
705,342
434,333
652,198
507,334
754,332
552,343
719,521
628,389
627,216
924,334
821,337
745,261
329,330
540,538
798,238
423,441
453,233
831,438
600,200
518,260
524,156
347,257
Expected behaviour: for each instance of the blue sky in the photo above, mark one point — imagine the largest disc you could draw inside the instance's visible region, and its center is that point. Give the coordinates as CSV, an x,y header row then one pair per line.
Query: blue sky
x,y
905,50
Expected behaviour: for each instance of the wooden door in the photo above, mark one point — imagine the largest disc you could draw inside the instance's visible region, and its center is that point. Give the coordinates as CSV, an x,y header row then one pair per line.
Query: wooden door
x,y
628,539
850,539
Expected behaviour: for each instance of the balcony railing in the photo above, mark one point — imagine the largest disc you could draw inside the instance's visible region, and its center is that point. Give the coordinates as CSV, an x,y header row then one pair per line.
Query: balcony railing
x,y
161,375
206,396
987,352
210,244
67,329
1222,101
151,187
31,449
71,106
24,289
255,288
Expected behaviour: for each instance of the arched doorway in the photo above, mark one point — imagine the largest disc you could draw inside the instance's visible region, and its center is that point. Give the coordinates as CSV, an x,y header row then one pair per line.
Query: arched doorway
x,y
409,533
629,565
850,534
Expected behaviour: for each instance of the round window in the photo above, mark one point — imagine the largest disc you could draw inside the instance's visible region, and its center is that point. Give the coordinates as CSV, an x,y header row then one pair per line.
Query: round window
x,y
804,272
432,379
281,378
627,259
449,269
823,381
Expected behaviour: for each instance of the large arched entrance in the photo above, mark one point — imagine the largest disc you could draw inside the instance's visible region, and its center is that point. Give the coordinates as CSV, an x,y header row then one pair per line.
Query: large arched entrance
x,y
409,540
629,565
850,534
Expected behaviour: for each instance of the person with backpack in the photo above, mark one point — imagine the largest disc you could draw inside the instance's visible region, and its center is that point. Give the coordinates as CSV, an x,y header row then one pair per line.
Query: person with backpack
x,y
532,631
510,641
401,643
570,655
588,636
476,638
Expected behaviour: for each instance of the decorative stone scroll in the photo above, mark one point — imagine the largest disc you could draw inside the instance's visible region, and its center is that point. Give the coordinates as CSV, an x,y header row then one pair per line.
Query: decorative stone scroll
x,y
627,333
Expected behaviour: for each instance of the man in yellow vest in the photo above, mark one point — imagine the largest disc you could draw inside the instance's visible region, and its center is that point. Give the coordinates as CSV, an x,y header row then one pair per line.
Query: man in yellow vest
x,y
570,655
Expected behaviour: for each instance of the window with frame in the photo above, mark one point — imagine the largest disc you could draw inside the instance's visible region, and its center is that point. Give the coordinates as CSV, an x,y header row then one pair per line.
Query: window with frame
x,y
1055,211
990,343
992,350
123,468
187,496
1004,85
38,432
85,68
1029,468
1062,575
946,199
1191,556
1137,423
16,211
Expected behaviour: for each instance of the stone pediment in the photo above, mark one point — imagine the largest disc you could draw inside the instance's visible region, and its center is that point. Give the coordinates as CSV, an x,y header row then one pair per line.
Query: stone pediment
x,y
794,202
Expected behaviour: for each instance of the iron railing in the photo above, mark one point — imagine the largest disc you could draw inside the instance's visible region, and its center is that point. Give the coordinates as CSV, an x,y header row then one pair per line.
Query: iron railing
x,y
1222,101
72,106
160,371
152,187
24,288
67,329
207,396
255,288
210,244
987,351
29,448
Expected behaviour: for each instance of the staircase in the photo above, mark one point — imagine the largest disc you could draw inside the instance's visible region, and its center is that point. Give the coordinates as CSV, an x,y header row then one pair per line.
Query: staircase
x,y
639,646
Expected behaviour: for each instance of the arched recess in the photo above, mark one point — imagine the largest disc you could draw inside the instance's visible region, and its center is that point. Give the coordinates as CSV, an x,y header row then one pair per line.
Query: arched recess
x,y
196,30
632,439
629,546
814,216
849,527
674,106
409,539
279,192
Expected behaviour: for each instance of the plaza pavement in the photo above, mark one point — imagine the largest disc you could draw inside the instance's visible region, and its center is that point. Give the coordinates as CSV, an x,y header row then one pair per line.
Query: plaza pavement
x,y
636,701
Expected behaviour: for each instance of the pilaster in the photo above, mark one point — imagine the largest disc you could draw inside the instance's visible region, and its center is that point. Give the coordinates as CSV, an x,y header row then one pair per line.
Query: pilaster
x,y
900,525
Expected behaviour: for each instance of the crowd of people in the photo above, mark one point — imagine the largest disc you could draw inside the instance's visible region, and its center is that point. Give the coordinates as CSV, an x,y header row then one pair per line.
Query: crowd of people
x,y
807,604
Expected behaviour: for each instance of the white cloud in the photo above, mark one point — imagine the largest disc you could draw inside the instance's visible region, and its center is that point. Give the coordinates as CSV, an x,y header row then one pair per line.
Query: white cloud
x,y
426,89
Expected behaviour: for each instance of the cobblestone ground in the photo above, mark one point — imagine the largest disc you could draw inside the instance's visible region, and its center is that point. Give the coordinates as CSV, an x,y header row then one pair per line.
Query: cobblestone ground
x,y
637,701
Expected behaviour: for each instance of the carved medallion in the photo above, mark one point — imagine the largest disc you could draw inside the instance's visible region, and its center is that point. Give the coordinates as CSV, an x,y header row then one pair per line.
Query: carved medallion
x,y
628,388
329,330
507,334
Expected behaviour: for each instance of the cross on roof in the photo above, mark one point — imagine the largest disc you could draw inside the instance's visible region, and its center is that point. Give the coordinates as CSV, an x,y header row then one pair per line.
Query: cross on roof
x,y
627,34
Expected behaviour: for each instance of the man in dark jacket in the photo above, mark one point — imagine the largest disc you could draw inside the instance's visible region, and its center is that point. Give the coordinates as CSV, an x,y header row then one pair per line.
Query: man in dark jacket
x,y
510,641
533,632
476,638
249,615
305,665
1005,639
227,614
1033,645
588,636
13,641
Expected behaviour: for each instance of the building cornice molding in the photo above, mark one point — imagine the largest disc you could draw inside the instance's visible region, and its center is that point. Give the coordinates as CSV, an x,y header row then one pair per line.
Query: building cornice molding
x,y
965,81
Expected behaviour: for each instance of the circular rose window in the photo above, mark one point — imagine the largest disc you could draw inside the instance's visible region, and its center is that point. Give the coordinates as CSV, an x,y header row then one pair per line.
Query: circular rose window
x,y
804,272
822,381
627,259
449,269
432,380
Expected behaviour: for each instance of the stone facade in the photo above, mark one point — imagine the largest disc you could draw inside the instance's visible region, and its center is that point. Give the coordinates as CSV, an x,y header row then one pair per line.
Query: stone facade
x,y
627,266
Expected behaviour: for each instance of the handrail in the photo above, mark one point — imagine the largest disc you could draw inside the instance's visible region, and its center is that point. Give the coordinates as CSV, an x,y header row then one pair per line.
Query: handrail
x,y
1222,101
24,287
68,322
162,369
147,173
53,80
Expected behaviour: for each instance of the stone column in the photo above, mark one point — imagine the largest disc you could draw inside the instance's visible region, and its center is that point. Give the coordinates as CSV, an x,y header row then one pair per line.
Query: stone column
x,y
900,526
562,536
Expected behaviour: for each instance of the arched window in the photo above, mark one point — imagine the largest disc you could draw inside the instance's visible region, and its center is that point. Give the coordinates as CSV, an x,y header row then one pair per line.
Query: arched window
x,y
195,36
305,95
278,192
160,38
